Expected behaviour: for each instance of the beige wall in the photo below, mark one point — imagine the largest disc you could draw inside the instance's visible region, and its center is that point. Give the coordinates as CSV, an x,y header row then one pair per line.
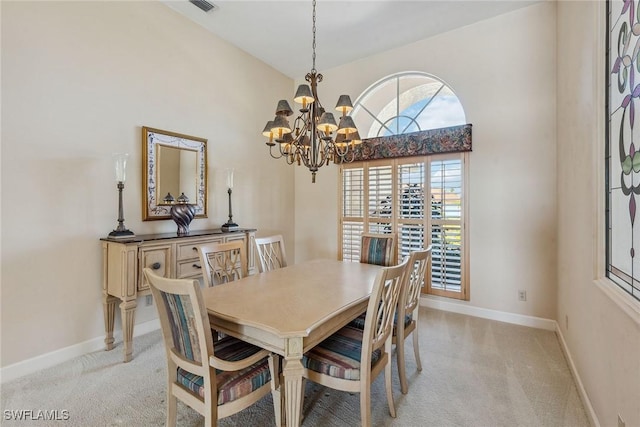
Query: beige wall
x,y
503,71
601,333
79,79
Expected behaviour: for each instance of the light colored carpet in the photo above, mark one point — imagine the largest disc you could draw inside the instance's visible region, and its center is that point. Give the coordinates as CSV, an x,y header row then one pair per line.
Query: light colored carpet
x,y
476,372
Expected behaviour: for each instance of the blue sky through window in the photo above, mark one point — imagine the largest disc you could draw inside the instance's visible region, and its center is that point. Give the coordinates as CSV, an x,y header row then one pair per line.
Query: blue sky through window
x,y
443,111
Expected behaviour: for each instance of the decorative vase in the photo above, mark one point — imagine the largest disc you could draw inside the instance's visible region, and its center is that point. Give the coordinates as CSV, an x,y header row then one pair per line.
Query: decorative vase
x,y
183,214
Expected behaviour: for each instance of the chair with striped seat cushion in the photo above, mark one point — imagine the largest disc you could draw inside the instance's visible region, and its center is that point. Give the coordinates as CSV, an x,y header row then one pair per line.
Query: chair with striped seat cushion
x,y
408,305
408,308
231,384
216,380
378,249
350,359
339,355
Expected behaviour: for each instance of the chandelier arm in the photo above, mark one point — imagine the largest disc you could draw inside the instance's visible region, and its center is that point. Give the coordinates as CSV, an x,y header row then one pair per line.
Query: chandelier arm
x,y
271,152
349,155
304,120
306,159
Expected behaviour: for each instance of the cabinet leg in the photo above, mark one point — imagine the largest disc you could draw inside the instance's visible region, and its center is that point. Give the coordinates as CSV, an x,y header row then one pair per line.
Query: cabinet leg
x,y
128,310
109,306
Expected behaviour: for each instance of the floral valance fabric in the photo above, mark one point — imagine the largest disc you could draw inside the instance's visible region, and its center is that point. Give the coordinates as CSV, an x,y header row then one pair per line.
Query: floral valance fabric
x,y
445,140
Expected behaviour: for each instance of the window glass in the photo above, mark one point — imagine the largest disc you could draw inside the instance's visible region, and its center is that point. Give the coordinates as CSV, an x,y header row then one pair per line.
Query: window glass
x,y
407,102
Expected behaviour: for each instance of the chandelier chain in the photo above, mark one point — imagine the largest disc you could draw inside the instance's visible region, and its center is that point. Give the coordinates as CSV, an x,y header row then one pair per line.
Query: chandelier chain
x,y
313,68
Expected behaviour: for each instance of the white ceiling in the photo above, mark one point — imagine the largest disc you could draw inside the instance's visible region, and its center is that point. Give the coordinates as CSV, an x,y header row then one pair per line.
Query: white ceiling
x,y
279,32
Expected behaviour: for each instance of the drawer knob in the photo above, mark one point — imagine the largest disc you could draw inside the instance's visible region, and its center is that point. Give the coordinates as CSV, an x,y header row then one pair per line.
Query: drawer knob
x,y
156,265
196,266
195,249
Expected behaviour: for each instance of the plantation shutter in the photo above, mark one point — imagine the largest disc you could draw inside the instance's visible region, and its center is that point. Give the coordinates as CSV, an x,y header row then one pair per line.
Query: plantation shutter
x,y
447,254
390,195
381,212
352,212
411,219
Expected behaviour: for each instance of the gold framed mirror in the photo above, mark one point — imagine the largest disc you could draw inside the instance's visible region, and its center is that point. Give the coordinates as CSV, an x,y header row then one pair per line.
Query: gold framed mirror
x,y
173,165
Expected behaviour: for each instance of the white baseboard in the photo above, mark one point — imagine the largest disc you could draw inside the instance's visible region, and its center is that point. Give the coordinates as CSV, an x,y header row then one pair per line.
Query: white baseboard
x,y
485,313
591,413
47,360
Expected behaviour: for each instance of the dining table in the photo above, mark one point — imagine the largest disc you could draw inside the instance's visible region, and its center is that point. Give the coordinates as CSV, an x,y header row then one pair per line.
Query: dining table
x,y
290,310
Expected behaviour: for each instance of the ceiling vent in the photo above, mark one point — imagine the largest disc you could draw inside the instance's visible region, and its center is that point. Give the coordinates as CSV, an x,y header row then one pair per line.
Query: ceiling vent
x,y
202,4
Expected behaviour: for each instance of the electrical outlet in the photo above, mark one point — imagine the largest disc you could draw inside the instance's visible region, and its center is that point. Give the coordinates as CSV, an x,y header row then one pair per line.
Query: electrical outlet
x,y
621,422
522,295
149,300
566,321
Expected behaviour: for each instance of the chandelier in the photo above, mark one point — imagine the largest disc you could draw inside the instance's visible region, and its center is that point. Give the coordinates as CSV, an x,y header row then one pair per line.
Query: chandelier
x,y
315,139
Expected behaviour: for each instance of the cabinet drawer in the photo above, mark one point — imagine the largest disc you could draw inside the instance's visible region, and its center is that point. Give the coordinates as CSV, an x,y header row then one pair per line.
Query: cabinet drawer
x,y
156,258
189,250
188,269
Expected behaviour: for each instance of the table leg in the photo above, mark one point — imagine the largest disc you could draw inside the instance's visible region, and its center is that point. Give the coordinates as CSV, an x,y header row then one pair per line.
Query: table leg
x,y
128,310
109,306
293,381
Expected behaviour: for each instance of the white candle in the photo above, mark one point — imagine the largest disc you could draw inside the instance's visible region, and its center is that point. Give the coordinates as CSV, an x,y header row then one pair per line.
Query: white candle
x,y
120,160
230,178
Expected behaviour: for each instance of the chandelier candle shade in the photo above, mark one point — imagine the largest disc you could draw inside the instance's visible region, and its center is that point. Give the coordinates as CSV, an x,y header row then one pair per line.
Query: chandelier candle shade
x,y
315,139
229,225
120,163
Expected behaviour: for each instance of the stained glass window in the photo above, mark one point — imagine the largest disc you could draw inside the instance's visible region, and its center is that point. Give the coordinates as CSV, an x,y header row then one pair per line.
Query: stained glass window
x,y
623,137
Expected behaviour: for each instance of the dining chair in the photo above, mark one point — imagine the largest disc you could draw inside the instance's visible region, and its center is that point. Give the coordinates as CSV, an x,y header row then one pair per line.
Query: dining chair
x,y
379,249
223,262
376,249
217,380
271,252
352,358
408,309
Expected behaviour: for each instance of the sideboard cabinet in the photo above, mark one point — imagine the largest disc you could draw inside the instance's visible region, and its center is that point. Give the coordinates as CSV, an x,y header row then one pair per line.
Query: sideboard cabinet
x,y
169,255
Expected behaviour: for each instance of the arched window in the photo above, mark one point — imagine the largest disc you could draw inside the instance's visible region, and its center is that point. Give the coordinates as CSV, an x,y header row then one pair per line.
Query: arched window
x,y
407,102
421,198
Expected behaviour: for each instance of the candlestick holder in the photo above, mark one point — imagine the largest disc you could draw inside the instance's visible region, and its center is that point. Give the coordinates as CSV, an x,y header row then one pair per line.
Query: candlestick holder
x,y
229,225
120,160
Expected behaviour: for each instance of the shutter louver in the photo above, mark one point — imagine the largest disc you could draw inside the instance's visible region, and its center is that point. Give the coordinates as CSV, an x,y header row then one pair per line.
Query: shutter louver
x,y
351,232
352,212
446,225
380,199
411,178
353,193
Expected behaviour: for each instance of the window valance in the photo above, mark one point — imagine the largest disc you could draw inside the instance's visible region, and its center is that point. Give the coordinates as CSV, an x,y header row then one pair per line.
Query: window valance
x,y
452,139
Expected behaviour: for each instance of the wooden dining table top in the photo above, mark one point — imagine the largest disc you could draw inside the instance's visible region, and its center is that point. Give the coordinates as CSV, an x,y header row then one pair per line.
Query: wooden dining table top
x,y
294,300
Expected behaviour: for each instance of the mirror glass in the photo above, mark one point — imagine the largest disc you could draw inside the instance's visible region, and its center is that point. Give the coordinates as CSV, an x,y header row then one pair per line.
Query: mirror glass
x,y
179,172
174,167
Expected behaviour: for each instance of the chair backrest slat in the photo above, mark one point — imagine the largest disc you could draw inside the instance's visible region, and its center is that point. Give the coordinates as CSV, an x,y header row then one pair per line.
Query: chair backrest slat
x,y
223,262
271,252
382,308
416,276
